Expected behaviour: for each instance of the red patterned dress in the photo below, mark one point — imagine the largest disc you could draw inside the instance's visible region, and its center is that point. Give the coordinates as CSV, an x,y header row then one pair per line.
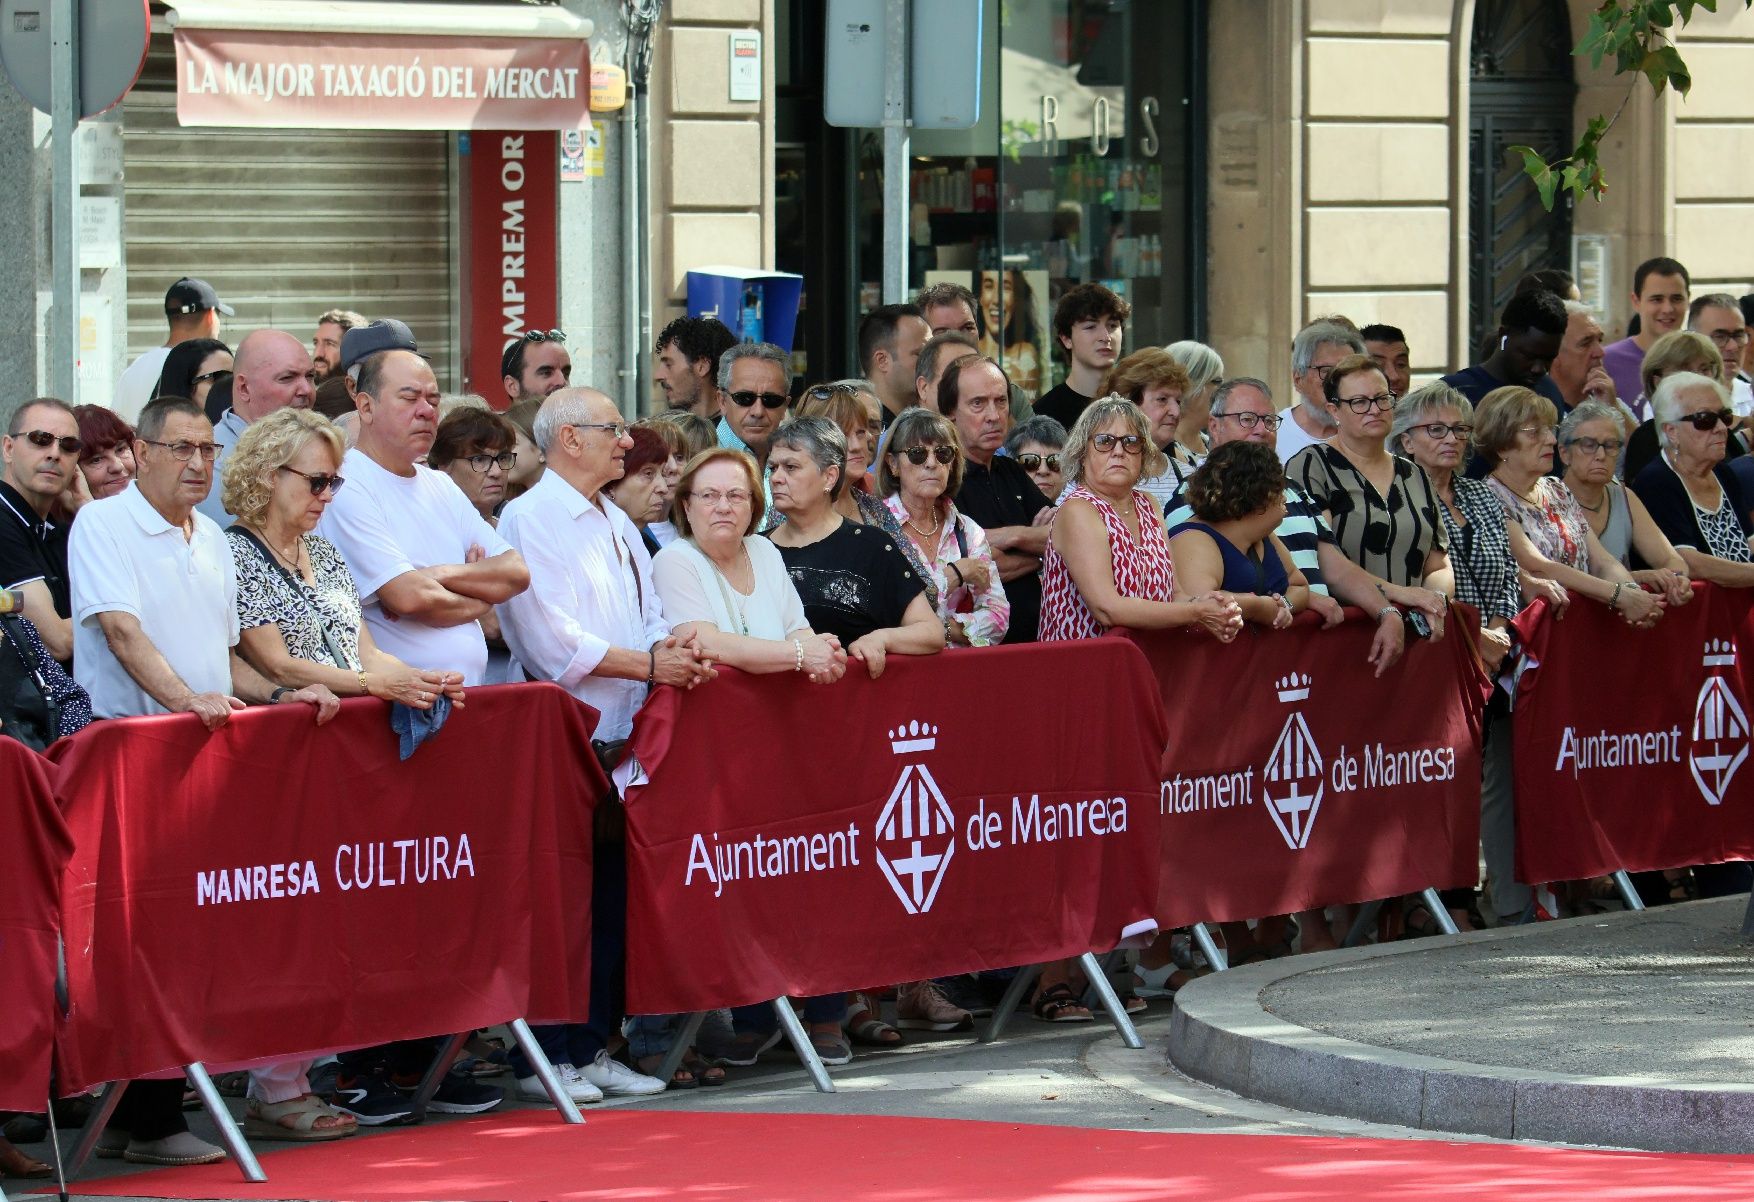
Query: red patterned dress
x,y
1142,569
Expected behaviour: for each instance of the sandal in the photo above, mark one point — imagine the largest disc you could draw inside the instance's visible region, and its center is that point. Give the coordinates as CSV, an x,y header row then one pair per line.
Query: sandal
x,y
705,1071
865,1028
831,1049
1058,1004
682,1078
296,1121
22,1165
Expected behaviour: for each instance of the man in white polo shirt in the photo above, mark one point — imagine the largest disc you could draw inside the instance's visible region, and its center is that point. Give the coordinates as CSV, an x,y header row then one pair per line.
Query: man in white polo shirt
x,y
427,566
154,599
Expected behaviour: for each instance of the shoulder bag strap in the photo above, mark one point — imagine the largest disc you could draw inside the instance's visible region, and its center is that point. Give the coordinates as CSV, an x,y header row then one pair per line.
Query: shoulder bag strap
x,y
330,643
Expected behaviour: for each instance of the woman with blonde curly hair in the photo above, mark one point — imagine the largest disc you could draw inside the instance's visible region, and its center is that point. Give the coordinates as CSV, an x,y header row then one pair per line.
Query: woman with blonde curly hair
x,y
298,608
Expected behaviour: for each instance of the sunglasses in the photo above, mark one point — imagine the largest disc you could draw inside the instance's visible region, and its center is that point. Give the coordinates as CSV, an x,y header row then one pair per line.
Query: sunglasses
x,y
1031,462
211,375
917,455
42,438
544,336
320,482
769,400
1705,419
821,392
1132,444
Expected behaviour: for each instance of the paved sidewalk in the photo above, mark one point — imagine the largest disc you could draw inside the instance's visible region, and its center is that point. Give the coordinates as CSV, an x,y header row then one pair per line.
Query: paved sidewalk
x,y
1628,1030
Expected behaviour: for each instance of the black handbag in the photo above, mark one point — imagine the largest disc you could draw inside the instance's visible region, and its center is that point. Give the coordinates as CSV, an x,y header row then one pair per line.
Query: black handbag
x,y
28,710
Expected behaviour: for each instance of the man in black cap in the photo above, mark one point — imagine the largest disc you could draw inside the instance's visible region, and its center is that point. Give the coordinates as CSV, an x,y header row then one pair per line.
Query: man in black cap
x,y
192,308
362,342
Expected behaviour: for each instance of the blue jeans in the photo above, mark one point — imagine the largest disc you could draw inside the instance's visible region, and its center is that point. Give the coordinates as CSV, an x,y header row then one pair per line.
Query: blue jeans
x,y
827,1008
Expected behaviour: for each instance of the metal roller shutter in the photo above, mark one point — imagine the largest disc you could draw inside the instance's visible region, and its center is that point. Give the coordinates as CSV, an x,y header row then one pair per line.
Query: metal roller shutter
x,y
285,223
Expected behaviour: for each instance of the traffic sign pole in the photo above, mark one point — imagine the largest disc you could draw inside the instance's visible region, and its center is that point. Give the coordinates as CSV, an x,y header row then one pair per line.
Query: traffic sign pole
x,y
63,374
897,195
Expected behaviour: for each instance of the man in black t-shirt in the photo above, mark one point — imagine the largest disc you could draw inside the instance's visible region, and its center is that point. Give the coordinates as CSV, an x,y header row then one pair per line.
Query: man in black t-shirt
x,y
1088,324
41,452
997,494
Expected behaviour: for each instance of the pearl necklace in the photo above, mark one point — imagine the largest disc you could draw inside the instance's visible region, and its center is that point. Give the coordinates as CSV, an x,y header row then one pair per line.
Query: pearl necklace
x,y
922,532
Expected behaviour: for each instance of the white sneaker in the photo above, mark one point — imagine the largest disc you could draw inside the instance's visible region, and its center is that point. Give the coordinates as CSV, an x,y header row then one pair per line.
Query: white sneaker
x,y
613,1077
571,1080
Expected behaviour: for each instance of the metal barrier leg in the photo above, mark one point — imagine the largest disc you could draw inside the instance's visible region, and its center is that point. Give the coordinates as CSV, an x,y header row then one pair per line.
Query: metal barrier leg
x,y
229,1135
551,1082
1628,892
684,1040
94,1127
1439,912
1008,1004
435,1073
1366,919
1209,947
801,1044
1105,989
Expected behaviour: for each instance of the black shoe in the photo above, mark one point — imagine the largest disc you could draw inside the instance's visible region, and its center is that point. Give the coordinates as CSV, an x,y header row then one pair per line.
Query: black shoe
x,y
965,991
459,1094
372,1100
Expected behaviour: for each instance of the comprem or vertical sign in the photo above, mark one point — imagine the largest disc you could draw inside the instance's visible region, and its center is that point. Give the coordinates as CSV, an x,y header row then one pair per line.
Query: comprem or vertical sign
x,y
285,80
512,197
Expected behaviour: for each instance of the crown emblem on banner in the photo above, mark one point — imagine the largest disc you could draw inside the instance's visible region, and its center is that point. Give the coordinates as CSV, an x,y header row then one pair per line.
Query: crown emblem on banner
x,y
913,736
1720,653
1292,688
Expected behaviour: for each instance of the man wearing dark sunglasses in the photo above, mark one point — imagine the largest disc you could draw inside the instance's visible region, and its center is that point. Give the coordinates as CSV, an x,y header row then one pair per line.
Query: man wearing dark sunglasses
x,y
41,450
536,365
754,391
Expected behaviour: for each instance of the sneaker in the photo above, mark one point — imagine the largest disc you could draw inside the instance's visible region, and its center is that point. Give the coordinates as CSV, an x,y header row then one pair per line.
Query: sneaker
x,y
112,1144
577,1088
181,1148
372,1100
614,1077
922,1006
458,1094
746,1048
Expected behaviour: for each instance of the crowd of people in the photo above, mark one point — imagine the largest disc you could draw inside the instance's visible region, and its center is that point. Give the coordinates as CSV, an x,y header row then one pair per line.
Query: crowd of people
x,y
190,547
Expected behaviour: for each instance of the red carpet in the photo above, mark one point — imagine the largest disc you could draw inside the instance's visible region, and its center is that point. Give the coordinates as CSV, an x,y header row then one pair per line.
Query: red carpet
x,y
638,1156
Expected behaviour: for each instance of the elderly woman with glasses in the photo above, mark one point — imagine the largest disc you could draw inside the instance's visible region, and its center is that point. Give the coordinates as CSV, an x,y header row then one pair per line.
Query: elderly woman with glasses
x,y
1675,352
920,472
1035,443
1154,381
1700,503
1383,510
1590,439
1108,561
476,448
1552,540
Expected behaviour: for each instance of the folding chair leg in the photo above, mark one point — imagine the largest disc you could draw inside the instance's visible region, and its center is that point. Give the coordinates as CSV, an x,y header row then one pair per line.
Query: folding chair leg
x,y
1117,1013
229,1135
1439,911
1366,919
684,1040
94,1127
551,1083
1007,1006
435,1073
800,1040
1628,892
1208,947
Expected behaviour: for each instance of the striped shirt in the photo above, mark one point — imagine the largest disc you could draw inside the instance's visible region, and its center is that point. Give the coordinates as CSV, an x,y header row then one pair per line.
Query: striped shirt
x,y
1302,531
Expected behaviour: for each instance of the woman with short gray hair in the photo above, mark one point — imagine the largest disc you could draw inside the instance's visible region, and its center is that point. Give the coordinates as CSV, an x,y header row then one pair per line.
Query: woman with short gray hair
x,y
1205,369
1591,438
1036,445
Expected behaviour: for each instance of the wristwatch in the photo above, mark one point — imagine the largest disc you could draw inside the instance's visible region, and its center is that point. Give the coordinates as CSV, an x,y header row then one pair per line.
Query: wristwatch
x,y
277,694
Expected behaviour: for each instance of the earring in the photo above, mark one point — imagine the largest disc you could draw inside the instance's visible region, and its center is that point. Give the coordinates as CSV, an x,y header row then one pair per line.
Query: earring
x,y
1502,340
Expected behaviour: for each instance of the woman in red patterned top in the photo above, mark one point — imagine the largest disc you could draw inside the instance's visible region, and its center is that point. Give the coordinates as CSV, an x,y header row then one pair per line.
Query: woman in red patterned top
x,y
1107,561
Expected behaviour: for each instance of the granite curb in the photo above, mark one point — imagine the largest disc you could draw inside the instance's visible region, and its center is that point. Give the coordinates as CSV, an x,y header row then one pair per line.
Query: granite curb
x,y
1221,1034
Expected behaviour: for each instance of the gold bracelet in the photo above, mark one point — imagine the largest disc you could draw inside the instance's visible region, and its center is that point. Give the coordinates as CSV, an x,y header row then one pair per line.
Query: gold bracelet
x,y
364,689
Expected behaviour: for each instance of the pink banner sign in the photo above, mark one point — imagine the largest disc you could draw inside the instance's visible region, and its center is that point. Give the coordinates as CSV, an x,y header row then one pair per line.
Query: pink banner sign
x,y
283,80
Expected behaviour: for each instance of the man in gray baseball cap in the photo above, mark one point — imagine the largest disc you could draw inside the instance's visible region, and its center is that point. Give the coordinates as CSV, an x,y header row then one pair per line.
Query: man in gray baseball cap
x,y
192,309
374,338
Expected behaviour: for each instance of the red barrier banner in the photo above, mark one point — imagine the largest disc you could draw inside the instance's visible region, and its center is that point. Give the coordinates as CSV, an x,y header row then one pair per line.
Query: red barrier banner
x,y
278,887
798,839
1632,745
1295,778
35,843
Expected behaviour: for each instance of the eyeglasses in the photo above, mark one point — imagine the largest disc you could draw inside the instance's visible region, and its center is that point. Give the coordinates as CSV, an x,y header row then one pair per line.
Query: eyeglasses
x,y
735,497
1706,419
185,451
42,438
1541,433
1031,462
1592,447
917,455
1249,421
1729,338
1132,444
769,400
544,336
504,460
618,429
320,482
1364,404
1442,430
211,375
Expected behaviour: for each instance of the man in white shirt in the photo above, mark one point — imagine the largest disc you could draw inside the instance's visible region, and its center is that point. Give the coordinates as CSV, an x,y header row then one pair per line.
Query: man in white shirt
x,y
590,622
427,566
271,371
192,308
155,607
1314,352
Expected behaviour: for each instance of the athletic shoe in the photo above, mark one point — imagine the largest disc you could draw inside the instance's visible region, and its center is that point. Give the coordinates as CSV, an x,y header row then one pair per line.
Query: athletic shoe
x,y
459,1094
181,1148
112,1144
614,1077
577,1088
922,1006
372,1100
748,1046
